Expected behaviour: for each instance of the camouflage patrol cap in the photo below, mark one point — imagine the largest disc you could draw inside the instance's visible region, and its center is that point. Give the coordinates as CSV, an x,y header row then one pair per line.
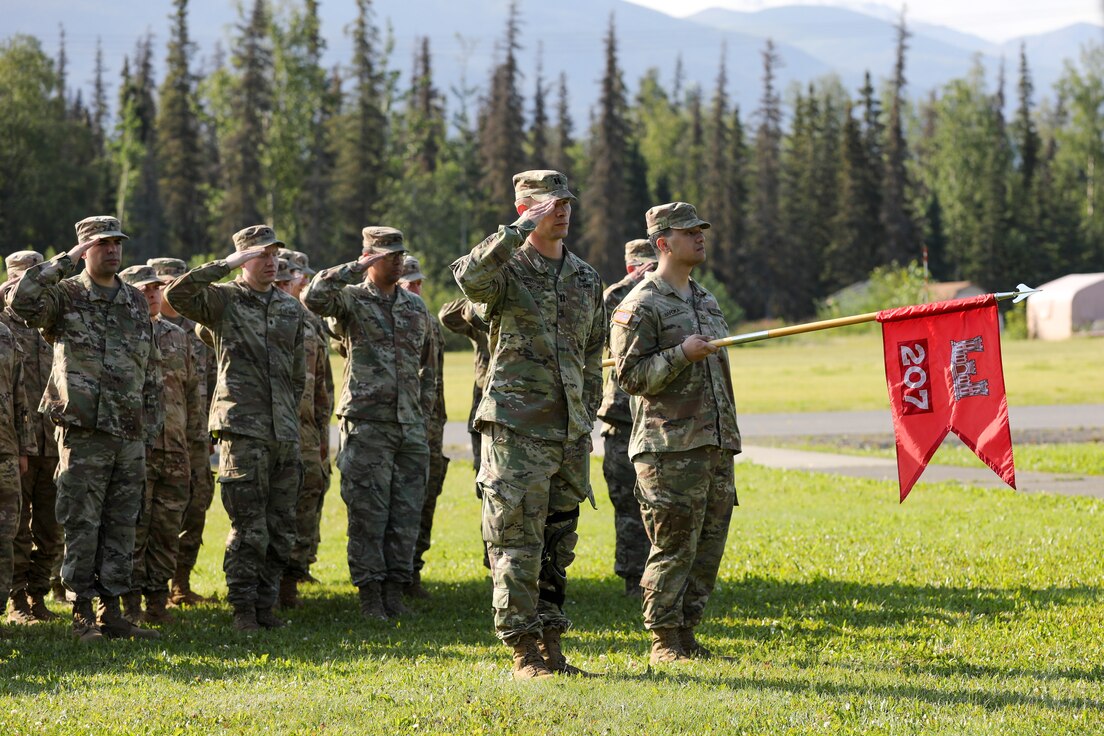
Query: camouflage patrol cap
x,y
640,251
541,185
673,215
284,269
412,270
99,227
382,239
139,276
20,261
255,236
168,269
298,260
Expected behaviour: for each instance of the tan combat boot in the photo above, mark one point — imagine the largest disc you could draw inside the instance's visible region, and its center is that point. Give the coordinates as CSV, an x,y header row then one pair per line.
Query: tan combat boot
x,y
289,592
528,662
57,590
392,599
182,593
21,613
245,619
156,612
666,647
692,646
85,627
39,609
371,602
549,646
266,619
114,625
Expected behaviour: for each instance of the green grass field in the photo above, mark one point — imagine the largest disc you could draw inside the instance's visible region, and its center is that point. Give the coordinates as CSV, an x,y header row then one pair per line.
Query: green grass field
x,y
829,372
960,611
1081,458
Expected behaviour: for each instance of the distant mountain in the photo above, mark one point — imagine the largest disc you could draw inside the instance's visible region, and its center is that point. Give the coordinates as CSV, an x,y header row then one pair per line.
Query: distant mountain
x,y
812,41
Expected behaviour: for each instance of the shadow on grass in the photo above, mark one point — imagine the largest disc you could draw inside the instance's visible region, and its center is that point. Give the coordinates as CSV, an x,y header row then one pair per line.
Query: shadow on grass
x,y
456,627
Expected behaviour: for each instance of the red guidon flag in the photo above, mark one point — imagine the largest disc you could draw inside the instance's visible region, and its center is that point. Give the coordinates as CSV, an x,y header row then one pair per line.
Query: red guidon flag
x,y
943,368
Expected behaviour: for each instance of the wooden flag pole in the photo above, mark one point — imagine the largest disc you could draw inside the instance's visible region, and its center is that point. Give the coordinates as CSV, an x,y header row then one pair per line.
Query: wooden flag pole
x,y
1022,292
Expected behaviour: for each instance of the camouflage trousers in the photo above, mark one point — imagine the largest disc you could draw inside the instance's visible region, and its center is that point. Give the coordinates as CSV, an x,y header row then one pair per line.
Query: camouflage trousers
x,y
11,496
100,482
39,541
384,470
327,473
157,536
531,494
631,551
308,507
259,482
438,467
686,500
200,494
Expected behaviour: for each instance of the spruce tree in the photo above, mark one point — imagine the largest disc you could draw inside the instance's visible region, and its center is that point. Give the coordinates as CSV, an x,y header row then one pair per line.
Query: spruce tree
x,y
244,148
902,242
538,129
718,201
502,132
607,201
179,153
854,248
559,154
313,203
765,223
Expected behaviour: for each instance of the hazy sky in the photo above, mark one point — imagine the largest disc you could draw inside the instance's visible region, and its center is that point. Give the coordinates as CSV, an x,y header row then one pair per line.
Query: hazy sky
x,y
996,20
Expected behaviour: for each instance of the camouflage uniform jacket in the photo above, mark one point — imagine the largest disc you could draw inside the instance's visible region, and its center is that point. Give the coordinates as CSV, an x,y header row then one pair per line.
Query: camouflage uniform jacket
x,y
439,416
676,405
203,363
462,317
390,369
106,372
547,329
258,347
614,410
181,396
317,403
37,359
16,436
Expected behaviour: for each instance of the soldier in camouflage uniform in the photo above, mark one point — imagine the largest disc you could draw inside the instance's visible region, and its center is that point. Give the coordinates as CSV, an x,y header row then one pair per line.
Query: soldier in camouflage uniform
x,y
259,346
547,329
387,395
168,475
632,541
412,279
684,431
38,543
105,395
300,261
16,443
314,425
201,482
462,317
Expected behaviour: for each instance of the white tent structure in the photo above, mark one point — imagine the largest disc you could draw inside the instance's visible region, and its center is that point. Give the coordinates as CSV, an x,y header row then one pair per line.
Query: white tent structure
x,y
1065,306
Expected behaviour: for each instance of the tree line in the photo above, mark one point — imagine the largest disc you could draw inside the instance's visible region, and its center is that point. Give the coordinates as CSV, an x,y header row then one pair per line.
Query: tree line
x,y
808,193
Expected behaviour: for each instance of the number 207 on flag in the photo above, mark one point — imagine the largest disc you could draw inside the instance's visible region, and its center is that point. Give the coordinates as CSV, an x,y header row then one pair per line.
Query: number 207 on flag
x,y
916,391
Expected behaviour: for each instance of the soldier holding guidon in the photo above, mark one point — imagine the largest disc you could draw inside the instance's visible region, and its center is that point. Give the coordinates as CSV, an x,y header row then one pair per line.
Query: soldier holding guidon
x,y
684,432
547,329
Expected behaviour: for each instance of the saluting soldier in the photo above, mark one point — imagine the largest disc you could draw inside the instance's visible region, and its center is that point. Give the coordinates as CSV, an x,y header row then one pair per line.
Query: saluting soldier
x,y
547,329
157,537
631,550
386,396
201,484
38,543
684,433
314,428
259,346
412,280
104,393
